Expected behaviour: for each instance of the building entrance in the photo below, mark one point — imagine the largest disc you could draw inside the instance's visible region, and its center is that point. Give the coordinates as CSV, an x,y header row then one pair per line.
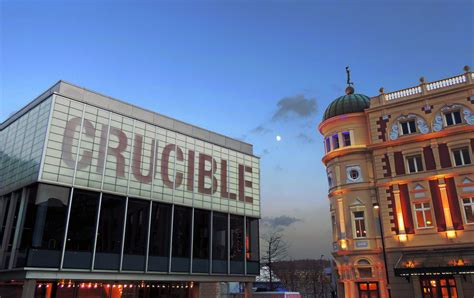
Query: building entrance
x,y
368,289
439,287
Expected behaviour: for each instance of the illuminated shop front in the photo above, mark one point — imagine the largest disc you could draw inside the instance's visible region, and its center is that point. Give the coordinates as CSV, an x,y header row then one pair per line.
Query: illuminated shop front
x,y
103,199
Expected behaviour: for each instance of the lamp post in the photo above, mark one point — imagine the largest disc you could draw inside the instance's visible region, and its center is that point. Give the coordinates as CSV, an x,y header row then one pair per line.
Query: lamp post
x,y
379,220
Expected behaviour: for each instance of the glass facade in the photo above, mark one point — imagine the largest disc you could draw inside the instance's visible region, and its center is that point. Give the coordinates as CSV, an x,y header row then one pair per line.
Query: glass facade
x,y
93,148
85,188
201,241
21,146
44,225
109,232
160,236
81,231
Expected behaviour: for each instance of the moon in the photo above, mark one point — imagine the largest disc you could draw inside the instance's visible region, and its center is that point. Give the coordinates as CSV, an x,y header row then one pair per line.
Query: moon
x,y
278,138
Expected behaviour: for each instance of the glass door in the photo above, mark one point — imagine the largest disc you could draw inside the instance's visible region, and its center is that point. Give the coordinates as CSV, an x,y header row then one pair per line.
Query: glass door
x,y
438,287
368,289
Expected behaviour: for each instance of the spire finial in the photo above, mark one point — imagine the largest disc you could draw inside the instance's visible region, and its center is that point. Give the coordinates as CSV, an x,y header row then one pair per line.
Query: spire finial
x,y
349,89
348,72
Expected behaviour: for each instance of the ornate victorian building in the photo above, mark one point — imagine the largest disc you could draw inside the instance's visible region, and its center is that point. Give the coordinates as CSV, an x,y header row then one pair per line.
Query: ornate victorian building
x,y
401,189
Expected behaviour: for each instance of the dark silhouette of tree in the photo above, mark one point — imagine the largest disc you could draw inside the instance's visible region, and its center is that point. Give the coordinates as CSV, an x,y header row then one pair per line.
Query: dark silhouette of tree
x,y
275,249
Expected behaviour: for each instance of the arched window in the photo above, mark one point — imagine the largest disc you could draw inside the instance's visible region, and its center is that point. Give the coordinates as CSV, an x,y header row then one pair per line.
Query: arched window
x,y
451,115
408,124
363,262
364,268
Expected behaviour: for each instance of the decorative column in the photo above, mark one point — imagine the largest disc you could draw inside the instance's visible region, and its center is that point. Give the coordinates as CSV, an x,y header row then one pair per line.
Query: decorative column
x,y
450,232
342,224
398,206
391,160
434,147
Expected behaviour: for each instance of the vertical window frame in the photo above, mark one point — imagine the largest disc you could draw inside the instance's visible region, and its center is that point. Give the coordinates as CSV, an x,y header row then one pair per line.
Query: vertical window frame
x,y
410,130
418,164
356,223
346,138
335,141
452,117
461,150
424,210
470,204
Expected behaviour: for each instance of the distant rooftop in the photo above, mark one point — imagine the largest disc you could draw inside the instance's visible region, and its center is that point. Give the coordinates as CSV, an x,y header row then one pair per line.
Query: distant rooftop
x,y
126,109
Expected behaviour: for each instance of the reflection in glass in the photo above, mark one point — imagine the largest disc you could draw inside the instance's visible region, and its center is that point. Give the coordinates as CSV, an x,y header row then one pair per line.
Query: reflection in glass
x,y
201,245
181,239
43,227
10,227
136,232
219,243
252,246
81,232
4,213
236,244
159,237
109,233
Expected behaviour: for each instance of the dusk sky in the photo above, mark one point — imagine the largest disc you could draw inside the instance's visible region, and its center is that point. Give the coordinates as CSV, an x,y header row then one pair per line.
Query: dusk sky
x,y
252,70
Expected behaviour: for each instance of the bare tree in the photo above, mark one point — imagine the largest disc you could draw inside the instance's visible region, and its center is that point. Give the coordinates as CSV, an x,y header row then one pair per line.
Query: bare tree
x,y
275,249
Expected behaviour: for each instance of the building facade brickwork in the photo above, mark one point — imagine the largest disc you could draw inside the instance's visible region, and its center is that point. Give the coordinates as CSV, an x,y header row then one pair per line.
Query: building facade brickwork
x,y
401,188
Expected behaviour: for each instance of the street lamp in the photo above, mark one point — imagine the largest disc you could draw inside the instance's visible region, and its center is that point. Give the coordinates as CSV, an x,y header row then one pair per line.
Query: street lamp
x,y
379,220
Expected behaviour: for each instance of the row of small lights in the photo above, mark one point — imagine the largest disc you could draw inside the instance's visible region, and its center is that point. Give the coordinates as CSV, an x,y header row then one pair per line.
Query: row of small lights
x,y
119,286
436,273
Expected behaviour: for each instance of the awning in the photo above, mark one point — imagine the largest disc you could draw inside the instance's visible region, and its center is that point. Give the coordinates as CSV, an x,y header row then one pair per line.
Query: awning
x,y
436,262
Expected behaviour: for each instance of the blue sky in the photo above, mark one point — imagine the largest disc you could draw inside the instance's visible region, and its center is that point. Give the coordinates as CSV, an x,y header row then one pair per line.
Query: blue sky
x,y
225,66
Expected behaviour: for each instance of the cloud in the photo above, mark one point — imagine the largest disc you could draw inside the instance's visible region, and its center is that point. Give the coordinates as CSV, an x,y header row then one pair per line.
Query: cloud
x,y
280,221
260,130
278,168
305,138
241,138
292,106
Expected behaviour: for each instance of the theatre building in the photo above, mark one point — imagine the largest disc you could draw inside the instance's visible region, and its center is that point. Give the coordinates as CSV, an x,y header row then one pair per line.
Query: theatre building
x,y
100,198
400,168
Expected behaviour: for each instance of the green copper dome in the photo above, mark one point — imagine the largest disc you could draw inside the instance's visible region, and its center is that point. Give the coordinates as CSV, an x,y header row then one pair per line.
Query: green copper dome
x,y
349,103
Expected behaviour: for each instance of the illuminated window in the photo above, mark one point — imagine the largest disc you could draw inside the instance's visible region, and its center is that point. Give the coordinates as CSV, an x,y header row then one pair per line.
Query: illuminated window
x,y
468,205
359,224
346,137
452,118
408,127
414,164
335,141
423,215
461,156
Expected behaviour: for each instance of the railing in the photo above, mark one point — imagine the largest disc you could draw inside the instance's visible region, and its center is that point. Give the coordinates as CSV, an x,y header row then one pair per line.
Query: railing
x,y
467,77
446,82
403,93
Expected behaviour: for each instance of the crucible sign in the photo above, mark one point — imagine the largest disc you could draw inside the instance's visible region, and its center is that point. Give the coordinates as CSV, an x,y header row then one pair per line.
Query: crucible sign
x,y
95,148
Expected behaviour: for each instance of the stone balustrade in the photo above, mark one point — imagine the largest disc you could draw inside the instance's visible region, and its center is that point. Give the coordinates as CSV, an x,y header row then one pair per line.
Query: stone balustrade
x,y
446,82
403,93
423,88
